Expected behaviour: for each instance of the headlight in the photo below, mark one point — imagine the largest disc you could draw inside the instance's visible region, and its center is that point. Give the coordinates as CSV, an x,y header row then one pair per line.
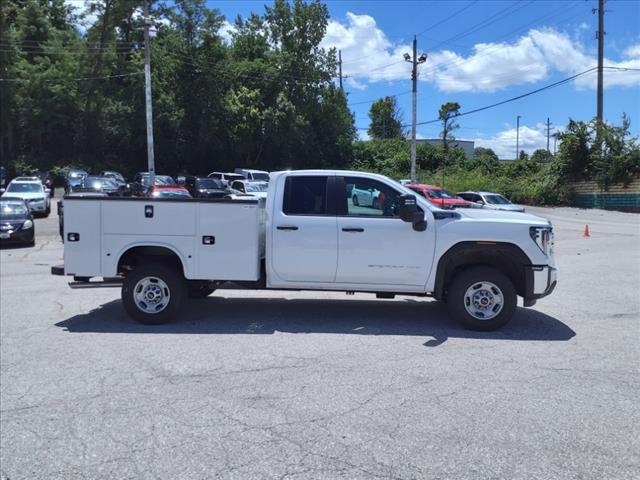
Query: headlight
x,y
27,225
543,236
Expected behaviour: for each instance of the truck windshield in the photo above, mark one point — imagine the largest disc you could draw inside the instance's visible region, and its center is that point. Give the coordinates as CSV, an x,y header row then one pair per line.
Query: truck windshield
x,y
209,183
440,194
98,183
256,186
260,176
171,193
496,200
160,180
25,187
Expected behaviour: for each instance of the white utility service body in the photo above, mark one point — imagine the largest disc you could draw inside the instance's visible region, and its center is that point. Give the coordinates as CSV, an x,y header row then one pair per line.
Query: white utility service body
x,y
309,235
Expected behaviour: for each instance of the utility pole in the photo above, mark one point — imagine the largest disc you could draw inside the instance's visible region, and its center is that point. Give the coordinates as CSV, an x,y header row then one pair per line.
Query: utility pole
x,y
518,136
600,36
414,101
555,142
548,132
147,91
340,68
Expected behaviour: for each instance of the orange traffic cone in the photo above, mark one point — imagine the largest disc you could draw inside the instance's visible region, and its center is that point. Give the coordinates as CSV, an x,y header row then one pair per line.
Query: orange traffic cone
x,y
586,231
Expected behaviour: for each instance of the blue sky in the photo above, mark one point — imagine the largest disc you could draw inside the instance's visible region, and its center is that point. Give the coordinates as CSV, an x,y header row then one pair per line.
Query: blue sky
x,y
482,52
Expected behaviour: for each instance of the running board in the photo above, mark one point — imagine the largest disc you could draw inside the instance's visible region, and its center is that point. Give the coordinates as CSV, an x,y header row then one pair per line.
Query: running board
x,y
101,284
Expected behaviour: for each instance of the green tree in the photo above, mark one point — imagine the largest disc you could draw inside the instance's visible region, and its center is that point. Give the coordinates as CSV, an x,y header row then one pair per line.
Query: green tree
x,y
386,119
574,153
485,153
541,155
448,111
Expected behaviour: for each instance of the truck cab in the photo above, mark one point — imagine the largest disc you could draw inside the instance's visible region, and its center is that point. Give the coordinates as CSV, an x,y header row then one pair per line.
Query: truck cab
x,y
311,235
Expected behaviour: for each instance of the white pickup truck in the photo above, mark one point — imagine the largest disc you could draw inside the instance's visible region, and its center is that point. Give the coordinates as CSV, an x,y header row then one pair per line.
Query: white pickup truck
x,y
309,235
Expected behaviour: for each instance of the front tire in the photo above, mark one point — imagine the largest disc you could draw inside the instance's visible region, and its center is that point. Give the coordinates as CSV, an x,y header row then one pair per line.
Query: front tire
x,y
154,294
482,298
354,200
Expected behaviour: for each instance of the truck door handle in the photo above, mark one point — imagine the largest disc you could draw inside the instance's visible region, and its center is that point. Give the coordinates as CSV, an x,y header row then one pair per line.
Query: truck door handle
x,y
286,227
353,230
208,240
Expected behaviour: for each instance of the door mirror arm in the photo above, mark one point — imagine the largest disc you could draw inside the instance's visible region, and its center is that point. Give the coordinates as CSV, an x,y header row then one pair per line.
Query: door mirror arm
x,y
409,212
420,225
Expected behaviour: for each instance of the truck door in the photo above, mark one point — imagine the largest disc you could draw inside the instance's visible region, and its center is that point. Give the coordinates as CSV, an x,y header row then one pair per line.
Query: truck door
x,y
304,242
374,245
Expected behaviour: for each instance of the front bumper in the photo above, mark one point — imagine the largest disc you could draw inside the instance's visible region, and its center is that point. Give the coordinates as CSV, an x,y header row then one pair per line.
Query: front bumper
x,y
19,236
37,206
541,280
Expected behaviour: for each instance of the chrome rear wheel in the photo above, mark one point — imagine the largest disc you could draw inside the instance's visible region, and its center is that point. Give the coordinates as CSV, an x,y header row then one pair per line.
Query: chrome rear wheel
x,y
151,295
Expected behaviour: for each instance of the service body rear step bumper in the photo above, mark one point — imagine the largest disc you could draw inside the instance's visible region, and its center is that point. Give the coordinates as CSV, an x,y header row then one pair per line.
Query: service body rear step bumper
x,y
85,282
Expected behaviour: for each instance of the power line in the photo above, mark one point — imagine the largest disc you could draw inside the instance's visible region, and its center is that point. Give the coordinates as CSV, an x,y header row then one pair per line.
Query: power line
x,y
485,23
27,80
494,46
444,20
433,68
513,99
376,99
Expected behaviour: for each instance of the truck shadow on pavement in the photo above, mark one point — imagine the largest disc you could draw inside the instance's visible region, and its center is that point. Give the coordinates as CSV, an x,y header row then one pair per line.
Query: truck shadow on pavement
x,y
264,316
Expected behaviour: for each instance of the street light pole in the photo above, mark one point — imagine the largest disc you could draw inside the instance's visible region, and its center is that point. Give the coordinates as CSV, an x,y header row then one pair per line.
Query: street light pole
x,y
518,136
414,101
147,93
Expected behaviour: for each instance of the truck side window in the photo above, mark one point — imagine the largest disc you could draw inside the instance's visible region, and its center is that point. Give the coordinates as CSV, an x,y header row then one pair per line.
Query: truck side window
x,y
305,196
370,198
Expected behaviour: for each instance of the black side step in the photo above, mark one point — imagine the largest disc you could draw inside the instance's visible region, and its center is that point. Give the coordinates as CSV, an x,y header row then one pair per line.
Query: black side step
x,y
385,295
57,270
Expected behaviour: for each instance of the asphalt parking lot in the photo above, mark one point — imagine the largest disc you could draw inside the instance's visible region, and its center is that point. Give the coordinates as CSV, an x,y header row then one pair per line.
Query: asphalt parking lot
x,y
321,385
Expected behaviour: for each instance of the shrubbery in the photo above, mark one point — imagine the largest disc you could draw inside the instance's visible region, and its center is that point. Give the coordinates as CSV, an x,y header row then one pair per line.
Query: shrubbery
x,y
540,179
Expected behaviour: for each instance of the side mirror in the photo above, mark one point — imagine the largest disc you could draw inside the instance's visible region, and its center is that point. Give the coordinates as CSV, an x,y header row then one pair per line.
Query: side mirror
x,y
2,190
408,210
47,190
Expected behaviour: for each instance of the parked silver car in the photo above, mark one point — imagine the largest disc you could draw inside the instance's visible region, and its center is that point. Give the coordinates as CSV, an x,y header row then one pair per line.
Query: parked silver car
x,y
491,200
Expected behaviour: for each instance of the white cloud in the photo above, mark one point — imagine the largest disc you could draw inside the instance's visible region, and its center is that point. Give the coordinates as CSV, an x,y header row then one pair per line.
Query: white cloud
x,y
87,18
504,142
491,67
367,53
633,51
226,30
369,56
363,135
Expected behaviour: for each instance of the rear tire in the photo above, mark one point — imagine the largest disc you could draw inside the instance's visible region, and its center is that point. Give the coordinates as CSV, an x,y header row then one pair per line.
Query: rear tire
x,y
154,294
482,298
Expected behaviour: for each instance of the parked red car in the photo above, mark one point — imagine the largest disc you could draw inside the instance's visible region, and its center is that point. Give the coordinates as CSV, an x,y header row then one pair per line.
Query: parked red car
x,y
168,191
439,196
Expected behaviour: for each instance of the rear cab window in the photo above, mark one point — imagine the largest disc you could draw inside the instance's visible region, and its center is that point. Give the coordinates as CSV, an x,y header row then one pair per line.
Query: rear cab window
x,y
305,195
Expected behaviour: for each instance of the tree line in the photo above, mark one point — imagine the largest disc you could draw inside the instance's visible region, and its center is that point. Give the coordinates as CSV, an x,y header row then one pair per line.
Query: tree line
x,y
265,99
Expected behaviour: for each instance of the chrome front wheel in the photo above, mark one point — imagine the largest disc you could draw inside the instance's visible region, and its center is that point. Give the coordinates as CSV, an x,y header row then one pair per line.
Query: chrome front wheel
x,y
483,300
